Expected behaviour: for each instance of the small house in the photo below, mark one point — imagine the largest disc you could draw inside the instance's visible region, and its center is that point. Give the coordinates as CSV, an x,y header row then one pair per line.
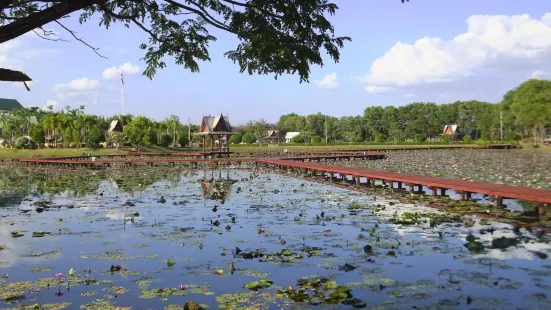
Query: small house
x,y
273,137
290,135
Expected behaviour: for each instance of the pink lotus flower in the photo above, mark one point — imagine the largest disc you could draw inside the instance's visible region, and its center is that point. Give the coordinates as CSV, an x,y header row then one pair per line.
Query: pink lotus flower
x,y
182,287
59,276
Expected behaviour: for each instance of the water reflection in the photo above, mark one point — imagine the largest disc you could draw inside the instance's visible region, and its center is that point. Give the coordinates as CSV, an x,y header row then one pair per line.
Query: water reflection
x,y
217,188
17,182
140,219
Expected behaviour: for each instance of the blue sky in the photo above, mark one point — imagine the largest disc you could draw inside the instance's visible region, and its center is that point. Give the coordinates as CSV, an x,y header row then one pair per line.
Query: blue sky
x,y
491,55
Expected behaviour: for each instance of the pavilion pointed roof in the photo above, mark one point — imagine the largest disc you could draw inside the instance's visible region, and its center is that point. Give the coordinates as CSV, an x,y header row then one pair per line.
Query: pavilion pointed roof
x,y
215,125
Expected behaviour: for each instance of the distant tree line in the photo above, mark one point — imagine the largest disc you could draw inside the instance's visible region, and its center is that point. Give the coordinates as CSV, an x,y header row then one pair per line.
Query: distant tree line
x,y
524,113
70,128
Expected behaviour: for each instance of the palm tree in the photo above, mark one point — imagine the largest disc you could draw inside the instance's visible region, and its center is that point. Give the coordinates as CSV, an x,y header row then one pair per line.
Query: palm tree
x,y
173,122
49,123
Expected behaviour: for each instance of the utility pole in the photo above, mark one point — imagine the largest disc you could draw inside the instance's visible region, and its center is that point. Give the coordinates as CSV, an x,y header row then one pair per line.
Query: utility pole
x,y
325,129
501,123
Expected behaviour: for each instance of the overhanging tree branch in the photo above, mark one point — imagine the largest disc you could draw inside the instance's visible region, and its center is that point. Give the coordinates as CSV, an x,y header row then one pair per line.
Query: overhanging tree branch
x,y
95,49
204,14
41,18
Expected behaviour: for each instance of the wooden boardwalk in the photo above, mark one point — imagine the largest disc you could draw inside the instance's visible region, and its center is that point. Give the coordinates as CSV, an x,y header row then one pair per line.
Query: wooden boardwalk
x,y
80,161
498,191
311,163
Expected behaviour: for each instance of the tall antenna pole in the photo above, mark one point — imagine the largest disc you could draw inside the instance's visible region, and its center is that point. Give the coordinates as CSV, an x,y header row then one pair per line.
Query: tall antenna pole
x,y
122,94
501,123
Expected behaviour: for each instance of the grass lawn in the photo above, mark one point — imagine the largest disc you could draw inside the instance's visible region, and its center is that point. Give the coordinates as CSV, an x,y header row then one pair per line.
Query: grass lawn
x,y
15,153
342,147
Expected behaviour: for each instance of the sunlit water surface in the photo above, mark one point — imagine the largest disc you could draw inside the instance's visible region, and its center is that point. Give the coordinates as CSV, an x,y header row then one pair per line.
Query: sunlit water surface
x,y
160,228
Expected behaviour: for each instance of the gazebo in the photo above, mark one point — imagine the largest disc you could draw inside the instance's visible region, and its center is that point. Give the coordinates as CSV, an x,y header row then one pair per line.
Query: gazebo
x,y
218,130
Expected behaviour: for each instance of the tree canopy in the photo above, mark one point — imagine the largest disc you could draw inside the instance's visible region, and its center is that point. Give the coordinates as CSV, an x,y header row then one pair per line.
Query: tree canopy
x,y
275,36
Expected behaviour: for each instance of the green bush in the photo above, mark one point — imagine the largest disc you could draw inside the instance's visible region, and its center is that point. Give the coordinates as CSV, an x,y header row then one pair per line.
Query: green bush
x,y
298,139
315,140
165,140
419,138
249,138
95,136
37,133
482,142
380,138
484,136
467,138
24,143
183,139
509,136
446,139
236,138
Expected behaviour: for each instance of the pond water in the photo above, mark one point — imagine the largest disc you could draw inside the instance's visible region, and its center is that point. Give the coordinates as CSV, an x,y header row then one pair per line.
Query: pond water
x,y
154,239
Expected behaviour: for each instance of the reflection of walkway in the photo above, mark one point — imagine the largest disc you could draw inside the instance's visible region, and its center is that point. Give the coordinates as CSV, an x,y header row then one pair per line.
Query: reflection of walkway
x,y
461,186
464,188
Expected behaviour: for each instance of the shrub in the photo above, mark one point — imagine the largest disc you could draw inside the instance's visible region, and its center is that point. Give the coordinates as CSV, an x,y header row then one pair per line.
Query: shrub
x,y
446,139
183,139
484,136
24,143
419,138
37,133
482,142
509,136
248,138
315,139
467,138
95,136
380,138
165,140
298,139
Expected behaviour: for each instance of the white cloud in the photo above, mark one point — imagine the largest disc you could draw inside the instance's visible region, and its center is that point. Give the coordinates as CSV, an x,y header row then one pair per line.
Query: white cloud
x,y
409,95
329,81
14,52
538,74
378,89
498,43
114,72
8,51
50,103
80,85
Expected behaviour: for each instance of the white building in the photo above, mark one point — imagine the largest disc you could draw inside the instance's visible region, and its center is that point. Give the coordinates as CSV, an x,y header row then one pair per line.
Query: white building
x,y
290,135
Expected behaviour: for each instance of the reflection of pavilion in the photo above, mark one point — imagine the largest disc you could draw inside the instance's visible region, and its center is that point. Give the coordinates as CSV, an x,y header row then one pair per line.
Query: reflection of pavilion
x,y
217,189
